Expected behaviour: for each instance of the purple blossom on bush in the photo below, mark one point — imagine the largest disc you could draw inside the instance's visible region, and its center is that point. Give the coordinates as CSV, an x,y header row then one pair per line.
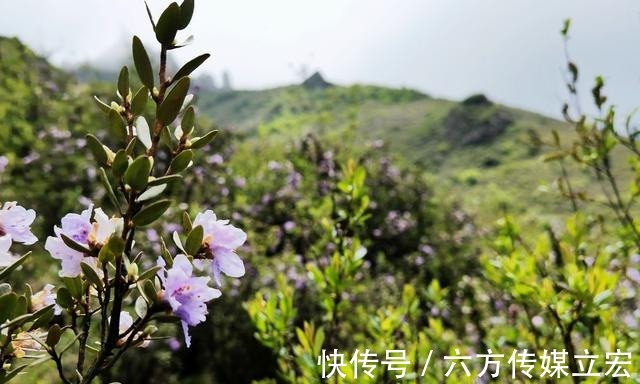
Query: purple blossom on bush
x,y
221,240
15,222
6,258
185,293
4,162
80,229
44,298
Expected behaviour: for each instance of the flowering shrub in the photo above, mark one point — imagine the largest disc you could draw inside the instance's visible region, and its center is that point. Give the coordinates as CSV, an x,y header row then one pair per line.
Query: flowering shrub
x,y
99,256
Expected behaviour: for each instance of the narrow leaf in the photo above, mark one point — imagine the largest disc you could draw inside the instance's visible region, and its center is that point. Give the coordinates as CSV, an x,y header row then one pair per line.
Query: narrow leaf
x,y
91,275
151,213
194,240
167,25
151,193
141,60
171,105
181,161
123,83
137,175
98,150
139,102
191,66
186,12
204,140
142,128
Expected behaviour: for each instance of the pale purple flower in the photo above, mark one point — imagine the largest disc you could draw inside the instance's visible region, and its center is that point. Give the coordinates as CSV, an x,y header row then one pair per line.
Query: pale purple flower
x,y
174,344
185,293
44,298
15,221
222,239
633,274
289,226
3,163
80,229
6,257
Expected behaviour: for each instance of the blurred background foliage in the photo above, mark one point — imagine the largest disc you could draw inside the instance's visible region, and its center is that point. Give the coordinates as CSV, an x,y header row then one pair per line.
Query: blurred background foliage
x,y
377,218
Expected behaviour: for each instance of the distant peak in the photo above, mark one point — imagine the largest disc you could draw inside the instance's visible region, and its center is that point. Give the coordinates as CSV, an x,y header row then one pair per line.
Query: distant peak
x,y
316,81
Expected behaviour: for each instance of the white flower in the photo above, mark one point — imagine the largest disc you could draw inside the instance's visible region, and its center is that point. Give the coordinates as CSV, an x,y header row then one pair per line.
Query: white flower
x,y
103,227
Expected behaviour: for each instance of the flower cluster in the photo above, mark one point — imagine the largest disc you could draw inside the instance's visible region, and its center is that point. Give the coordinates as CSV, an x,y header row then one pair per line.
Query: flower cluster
x,y
88,233
185,293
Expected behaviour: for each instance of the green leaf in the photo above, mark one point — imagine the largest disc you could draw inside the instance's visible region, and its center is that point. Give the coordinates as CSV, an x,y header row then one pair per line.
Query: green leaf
x,y
167,25
116,125
187,224
120,164
64,298
42,317
131,146
91,275
151,193
21,307
151,213
191,66
166,138
107,186
150,273
601,297
5,272
143,132
194,240
181,161
165,180
16,321
171,105
204,140
141,307
53,337
7,303
139,102
98,150
112,250
186,12
102,105
123,83
153,23
69,242
74,285
137,175
188,121
148,291
141,60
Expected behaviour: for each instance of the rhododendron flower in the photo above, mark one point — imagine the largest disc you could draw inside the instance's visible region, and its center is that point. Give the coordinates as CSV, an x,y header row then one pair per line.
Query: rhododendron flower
x,y
185,293
26,342
80,229
15,222
221,240
44,298
6,258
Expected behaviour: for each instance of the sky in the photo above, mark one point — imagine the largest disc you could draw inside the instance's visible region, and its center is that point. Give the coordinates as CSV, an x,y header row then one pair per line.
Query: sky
x,y
510,50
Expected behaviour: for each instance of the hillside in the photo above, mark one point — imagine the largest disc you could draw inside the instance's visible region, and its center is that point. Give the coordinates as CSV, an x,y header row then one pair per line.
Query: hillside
x,y
475,151
486,153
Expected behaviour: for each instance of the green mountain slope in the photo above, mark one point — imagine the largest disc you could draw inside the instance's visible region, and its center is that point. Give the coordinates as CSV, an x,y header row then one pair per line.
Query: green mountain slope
x,y
485,154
